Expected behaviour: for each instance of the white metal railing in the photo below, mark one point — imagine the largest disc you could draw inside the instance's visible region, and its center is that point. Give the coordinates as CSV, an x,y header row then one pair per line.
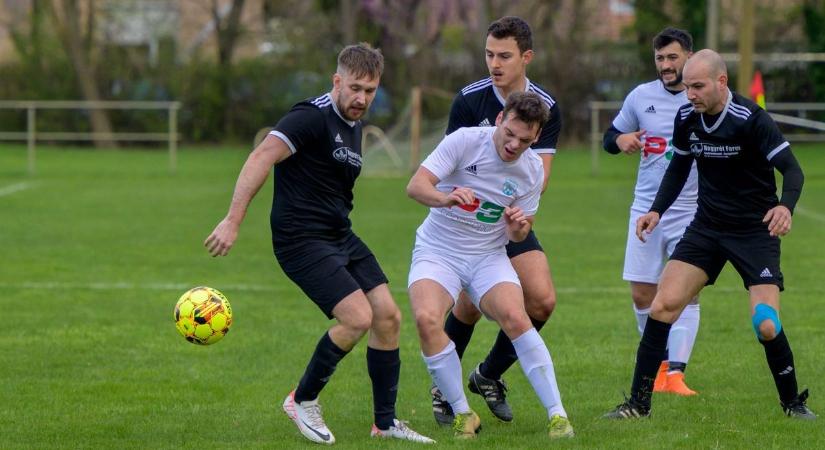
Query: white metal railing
x,y
596,130
31,135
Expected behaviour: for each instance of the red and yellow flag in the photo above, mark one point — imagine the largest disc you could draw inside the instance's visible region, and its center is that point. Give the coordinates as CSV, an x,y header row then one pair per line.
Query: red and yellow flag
x,y
758,89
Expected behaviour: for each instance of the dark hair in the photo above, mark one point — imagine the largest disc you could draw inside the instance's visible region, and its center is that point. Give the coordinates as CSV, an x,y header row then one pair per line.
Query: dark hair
x,y
514,27
527,107
361,60
670,34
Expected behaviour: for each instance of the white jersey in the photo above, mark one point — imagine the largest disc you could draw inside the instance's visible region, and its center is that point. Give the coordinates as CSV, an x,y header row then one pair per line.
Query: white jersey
x,y
468,158
653,108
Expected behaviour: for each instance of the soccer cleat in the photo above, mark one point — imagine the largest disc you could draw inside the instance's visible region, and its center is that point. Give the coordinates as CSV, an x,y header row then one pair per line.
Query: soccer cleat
x,y
797,408
308,419
400,430
466,425
442,411
560,427
660,384
493,392
676,385
628,409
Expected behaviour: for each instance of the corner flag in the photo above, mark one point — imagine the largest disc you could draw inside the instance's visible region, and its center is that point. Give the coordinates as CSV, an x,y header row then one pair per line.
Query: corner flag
x,y
758,89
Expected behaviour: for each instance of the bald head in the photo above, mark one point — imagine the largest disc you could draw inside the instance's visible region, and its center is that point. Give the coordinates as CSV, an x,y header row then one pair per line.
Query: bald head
x,y
707,63
706,81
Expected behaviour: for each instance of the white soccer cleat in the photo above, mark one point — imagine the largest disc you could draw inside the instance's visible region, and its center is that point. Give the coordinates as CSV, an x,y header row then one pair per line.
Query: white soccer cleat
x,y
400,430
308,419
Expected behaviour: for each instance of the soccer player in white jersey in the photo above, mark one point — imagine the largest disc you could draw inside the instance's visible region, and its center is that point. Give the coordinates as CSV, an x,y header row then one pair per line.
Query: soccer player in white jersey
x,y
482,186
645,125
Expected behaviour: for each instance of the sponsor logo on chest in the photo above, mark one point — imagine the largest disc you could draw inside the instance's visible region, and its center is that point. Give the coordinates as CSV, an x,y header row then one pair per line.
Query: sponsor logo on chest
x,y
718,151
346,155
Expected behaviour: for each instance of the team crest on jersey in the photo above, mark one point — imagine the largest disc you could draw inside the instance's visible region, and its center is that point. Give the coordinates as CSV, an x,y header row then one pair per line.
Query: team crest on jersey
x,y
510,187
346,155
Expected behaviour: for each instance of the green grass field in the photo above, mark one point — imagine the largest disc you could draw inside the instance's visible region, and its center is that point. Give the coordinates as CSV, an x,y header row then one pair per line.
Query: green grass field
x,y
98,245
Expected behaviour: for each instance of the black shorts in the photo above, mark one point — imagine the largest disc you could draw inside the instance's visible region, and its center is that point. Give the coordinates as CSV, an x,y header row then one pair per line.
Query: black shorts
x,y
754,254
531,242
328,271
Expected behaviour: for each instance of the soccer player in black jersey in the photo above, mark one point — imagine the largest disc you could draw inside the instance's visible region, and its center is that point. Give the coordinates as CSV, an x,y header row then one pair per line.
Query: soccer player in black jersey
x,y
508,49
736,146
316,151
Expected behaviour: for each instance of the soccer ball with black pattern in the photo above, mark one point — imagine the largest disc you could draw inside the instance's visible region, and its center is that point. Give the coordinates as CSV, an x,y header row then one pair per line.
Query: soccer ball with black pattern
x,y
203,315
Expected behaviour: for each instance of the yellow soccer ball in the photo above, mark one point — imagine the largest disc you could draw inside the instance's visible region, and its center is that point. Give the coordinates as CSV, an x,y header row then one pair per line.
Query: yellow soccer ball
x,y
203,315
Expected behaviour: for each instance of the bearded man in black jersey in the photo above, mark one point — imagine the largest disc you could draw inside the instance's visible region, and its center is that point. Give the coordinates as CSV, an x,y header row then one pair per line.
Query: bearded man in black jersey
x,y
736,146
316,152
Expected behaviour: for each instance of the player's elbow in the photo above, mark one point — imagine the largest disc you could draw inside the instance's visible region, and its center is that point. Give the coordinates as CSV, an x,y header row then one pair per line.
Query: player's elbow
x,y
412,191
609,142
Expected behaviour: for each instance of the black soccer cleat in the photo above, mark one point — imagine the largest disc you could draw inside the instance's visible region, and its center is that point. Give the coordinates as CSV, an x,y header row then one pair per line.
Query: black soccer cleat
x,y
442,411
797,408
494,395
628,409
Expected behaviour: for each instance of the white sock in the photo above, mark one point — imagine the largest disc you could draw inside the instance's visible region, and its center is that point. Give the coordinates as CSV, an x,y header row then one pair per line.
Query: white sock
x,y
445,369
683,335
538,367
641,318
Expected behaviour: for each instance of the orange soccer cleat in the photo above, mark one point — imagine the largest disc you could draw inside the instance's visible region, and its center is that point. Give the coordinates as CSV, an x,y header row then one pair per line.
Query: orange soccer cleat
x,y
660,385
676,384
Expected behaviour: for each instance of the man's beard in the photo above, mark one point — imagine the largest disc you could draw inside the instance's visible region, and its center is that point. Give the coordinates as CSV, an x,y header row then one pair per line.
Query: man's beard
x,y
674,83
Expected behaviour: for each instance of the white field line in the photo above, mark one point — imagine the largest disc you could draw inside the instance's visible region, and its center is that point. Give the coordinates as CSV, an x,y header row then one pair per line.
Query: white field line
x,y
122,286
12,188
810,214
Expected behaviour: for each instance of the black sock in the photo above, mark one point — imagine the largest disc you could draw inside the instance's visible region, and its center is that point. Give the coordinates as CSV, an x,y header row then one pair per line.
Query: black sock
x,y
384,366
458,332
780,361
676,366
502,355
648,359
320,368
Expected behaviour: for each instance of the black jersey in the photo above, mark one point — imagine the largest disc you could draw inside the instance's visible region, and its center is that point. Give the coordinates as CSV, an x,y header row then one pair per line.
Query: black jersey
x,y
313,187
733,156
479,103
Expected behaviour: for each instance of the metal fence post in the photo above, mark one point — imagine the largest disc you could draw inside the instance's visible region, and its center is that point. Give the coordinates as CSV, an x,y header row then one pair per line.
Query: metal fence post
x,y
31,137
173,137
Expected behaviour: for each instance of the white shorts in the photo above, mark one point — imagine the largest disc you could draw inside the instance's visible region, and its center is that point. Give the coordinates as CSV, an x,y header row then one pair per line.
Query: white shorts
x,y
476,274
644,261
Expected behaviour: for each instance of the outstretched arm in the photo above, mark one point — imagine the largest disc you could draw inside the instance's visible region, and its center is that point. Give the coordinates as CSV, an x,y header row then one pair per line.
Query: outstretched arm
x,y
253,175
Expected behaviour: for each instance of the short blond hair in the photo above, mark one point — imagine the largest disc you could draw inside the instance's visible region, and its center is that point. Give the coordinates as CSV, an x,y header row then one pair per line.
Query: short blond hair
x,y
361,60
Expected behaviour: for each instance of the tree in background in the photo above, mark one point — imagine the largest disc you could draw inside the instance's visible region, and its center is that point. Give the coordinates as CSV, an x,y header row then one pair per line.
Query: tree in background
x,y
82,53
813,12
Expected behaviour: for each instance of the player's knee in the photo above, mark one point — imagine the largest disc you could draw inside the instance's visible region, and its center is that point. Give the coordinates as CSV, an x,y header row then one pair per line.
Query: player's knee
x,y
540,308
466,312
428,323
389,321
642,300
358,323
766,322
514,322
665,310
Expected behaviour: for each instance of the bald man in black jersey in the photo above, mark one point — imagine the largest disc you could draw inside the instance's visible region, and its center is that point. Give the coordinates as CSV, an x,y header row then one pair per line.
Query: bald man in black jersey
x,y
736,146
